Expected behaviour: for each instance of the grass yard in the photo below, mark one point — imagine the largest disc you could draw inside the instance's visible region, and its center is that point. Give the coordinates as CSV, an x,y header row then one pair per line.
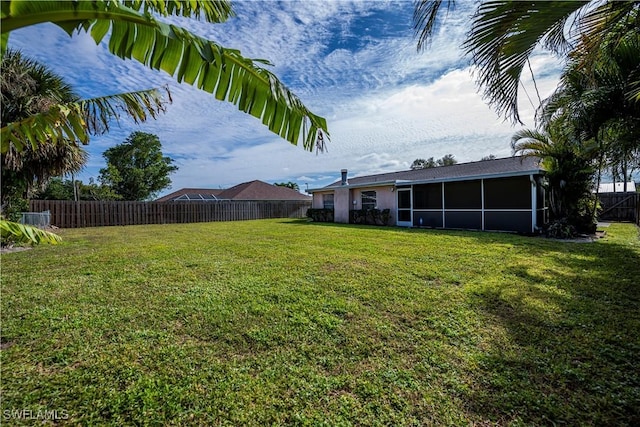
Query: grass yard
x,y
287,322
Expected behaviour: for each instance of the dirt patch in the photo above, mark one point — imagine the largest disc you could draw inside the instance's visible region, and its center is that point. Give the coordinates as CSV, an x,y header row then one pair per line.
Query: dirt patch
x,y
10,249
587,238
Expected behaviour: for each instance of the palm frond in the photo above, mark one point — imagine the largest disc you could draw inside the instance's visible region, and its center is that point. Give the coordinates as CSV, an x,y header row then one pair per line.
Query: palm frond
x,y
529,142
214,11
187,57
426,18
502,37
597,23
21,233
138,106
75,121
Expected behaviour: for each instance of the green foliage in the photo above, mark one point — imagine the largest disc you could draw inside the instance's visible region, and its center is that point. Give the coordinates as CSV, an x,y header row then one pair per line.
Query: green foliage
x,y
30,88
13,206
446,160
136,169
59,189
561,229
423,163
504,34
16,233
39,108
133,32
219,324
569,176
589,124
320,215
290,184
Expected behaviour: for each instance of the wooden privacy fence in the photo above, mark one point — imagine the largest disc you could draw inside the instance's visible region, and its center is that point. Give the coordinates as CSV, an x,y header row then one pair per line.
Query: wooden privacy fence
x,y
70,214
620,207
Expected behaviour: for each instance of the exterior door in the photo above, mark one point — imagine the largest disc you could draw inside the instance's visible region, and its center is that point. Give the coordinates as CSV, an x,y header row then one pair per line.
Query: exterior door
x,y
404,207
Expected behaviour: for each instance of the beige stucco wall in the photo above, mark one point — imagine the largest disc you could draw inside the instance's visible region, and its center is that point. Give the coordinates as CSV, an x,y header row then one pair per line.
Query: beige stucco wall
x,y
385,199
344,197
318,202
342,205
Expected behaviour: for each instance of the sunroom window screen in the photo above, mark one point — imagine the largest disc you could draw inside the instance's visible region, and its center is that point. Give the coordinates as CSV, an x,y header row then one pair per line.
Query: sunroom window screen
x,y
369,200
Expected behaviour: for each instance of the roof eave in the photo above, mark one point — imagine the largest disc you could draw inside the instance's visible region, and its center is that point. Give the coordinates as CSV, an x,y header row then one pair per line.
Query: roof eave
x,y
335,187
473,177
430,180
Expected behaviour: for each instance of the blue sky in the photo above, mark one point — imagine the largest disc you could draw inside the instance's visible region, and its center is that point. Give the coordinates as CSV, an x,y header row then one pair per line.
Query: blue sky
x,y
353,62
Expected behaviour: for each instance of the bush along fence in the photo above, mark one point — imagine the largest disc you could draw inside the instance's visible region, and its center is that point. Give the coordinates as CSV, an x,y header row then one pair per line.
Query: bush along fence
x,y
70,214
620,207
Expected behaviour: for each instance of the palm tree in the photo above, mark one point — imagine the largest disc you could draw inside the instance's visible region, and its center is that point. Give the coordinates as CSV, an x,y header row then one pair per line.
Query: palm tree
x,y
135,33
595,101
31,91
568,172
29,88
504,33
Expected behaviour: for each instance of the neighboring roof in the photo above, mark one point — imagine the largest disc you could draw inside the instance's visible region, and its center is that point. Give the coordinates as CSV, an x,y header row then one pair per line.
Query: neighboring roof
x,y
509,166
253,190
192,194
608,187
259,190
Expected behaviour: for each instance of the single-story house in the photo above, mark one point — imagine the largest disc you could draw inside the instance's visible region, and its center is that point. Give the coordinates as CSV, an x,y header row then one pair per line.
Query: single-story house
x,y
252,190
500,195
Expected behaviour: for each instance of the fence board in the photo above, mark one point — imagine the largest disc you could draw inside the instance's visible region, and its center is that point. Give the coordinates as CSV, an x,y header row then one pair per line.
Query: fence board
x,y
70,214
620,207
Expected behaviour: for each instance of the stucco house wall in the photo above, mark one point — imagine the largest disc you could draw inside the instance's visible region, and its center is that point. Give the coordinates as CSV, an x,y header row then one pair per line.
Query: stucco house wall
x,y
318,199
341,201
385,199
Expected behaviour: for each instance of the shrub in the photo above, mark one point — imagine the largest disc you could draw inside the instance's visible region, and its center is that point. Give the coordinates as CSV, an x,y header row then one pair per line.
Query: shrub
x,y
561,229
320,215
370,216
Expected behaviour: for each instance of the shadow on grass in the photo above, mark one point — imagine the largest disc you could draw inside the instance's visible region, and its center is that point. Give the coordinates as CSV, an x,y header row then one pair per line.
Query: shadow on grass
x,y
572,341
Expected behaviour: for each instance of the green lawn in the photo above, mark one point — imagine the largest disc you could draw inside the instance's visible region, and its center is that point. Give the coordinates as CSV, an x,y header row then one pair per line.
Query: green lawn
x,y
289,322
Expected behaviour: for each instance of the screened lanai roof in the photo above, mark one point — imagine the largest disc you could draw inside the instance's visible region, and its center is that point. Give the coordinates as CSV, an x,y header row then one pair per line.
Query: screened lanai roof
x,y
197,197
187,194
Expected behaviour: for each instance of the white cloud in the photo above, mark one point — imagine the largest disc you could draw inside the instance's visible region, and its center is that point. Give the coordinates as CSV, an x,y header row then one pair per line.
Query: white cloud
x,y
353,62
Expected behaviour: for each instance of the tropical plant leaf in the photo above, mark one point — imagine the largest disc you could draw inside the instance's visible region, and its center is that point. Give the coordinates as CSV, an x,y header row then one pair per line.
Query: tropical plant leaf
x,y
185,56
426,18
77,120
501,39
21,233
214,11
505,32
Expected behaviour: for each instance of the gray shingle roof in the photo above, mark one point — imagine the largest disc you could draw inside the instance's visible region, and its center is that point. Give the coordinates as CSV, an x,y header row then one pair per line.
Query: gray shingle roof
x,y
191,193
253,190
259,190
496,167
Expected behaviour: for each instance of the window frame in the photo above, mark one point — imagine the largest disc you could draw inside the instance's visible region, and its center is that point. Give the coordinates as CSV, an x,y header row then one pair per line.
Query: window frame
x,y
368,199
325,201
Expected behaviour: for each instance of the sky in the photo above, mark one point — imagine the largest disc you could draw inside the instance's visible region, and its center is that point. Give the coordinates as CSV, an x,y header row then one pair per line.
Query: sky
x,y
353,62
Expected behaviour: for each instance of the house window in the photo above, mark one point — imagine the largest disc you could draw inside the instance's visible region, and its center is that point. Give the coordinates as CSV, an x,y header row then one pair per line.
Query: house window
x,y
327,201
369,200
